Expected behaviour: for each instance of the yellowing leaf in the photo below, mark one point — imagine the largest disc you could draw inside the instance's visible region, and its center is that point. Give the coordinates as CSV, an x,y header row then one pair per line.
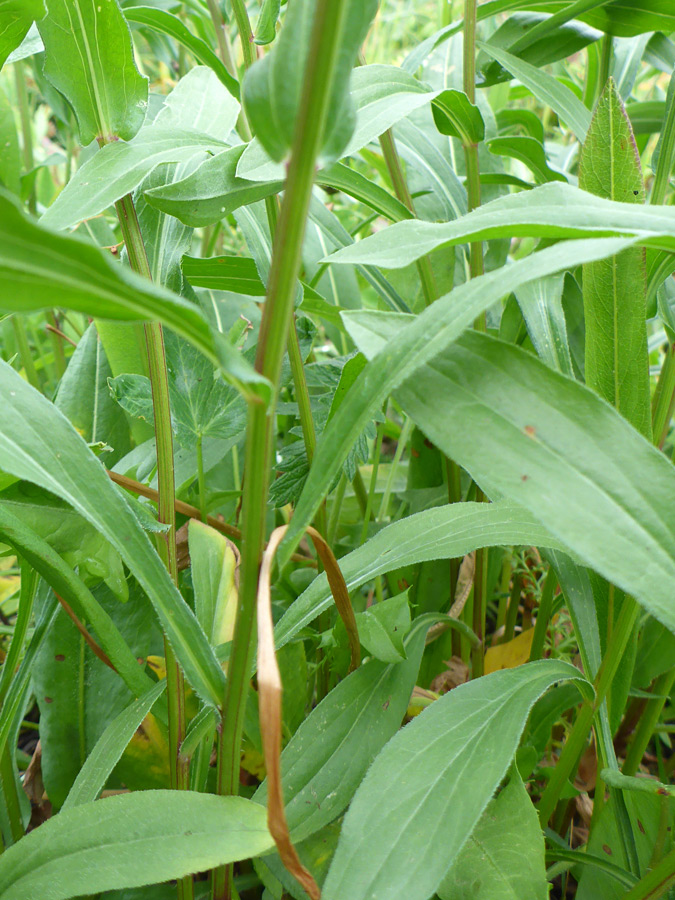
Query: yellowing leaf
x,y
508,656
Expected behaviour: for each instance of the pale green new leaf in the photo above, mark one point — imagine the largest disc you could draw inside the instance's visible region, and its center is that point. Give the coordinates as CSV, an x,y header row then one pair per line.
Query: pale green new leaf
x,y
272,88
130,840
118,168
422,339
109,748
425,792
214,563
614,289
89,59
44,448
504,857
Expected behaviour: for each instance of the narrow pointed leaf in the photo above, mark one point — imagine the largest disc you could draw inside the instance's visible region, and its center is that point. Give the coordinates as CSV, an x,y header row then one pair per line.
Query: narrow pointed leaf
x,y
130,840
541,305
97,75
455,115
614,289
425,792
44,448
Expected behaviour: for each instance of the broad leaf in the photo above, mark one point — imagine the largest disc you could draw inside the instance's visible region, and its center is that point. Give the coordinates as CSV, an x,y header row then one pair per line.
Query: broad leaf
x,y
422,339
331,751
131,840
45,449
17,16
118,168
273,87
425,792
504,857
455,115
617,363
89,59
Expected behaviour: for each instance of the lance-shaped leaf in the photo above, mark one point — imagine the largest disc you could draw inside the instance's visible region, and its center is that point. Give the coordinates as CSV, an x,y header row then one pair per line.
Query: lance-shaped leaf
x,y
273,87
456,115
36,265
130,840
422,339
541,305
425,792
43,447
90,60
553,210
17,16
617,363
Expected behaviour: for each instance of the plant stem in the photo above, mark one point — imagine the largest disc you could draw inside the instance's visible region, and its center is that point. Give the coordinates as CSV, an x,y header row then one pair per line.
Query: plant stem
x,y
245,33
605,62
577,738
26,129
648,721
277,315
656,882
543,615
23,349
10,795
663,400
200,480
159,381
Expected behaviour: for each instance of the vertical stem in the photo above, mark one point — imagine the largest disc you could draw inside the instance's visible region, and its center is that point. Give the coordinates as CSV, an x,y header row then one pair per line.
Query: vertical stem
x,y
605,62
57,347
26,128
154,337
10,794
23,349
245,33
643,733
200,479
277,315
543,615
663,399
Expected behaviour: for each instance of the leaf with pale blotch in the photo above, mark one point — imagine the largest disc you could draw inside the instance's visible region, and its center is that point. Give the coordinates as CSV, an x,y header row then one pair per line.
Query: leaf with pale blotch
x,y
89,59
617,363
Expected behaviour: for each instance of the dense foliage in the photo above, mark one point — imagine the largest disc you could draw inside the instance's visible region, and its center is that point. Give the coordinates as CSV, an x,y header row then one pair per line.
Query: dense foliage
x,y
337,499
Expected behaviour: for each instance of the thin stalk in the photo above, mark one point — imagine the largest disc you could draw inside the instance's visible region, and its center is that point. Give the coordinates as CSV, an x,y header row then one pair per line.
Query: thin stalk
x,y
277,315
656,882
377,451
26,129
201,482
663,400
543,615
56,337
391,158
334,519
576,740
166,543
648,721
404,437
606,43
512,608
10,795
245,32
23,349
219,28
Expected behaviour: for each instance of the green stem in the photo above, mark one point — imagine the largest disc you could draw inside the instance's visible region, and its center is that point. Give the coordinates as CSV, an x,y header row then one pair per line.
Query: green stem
x,y
391,158
277,315
576,740
26,129
543,615
159,382
377,451
605,62
336,508
512,609
648,721
57,346
404,437
23,349
663,400
245,33
10,795
201,482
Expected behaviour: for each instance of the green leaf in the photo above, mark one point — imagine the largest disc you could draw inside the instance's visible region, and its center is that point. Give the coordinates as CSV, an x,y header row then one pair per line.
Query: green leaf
x,y
166,23
546,89
272,88
214,574
443,532
504,857
10,153
422,339
383,626
552,449
528,151
83,397
331,751
45,449
425,792
199,103
118,168
36,262
130,840
617,363
266,27
17,16
541,305
97,76
455,115
554,210
109,748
